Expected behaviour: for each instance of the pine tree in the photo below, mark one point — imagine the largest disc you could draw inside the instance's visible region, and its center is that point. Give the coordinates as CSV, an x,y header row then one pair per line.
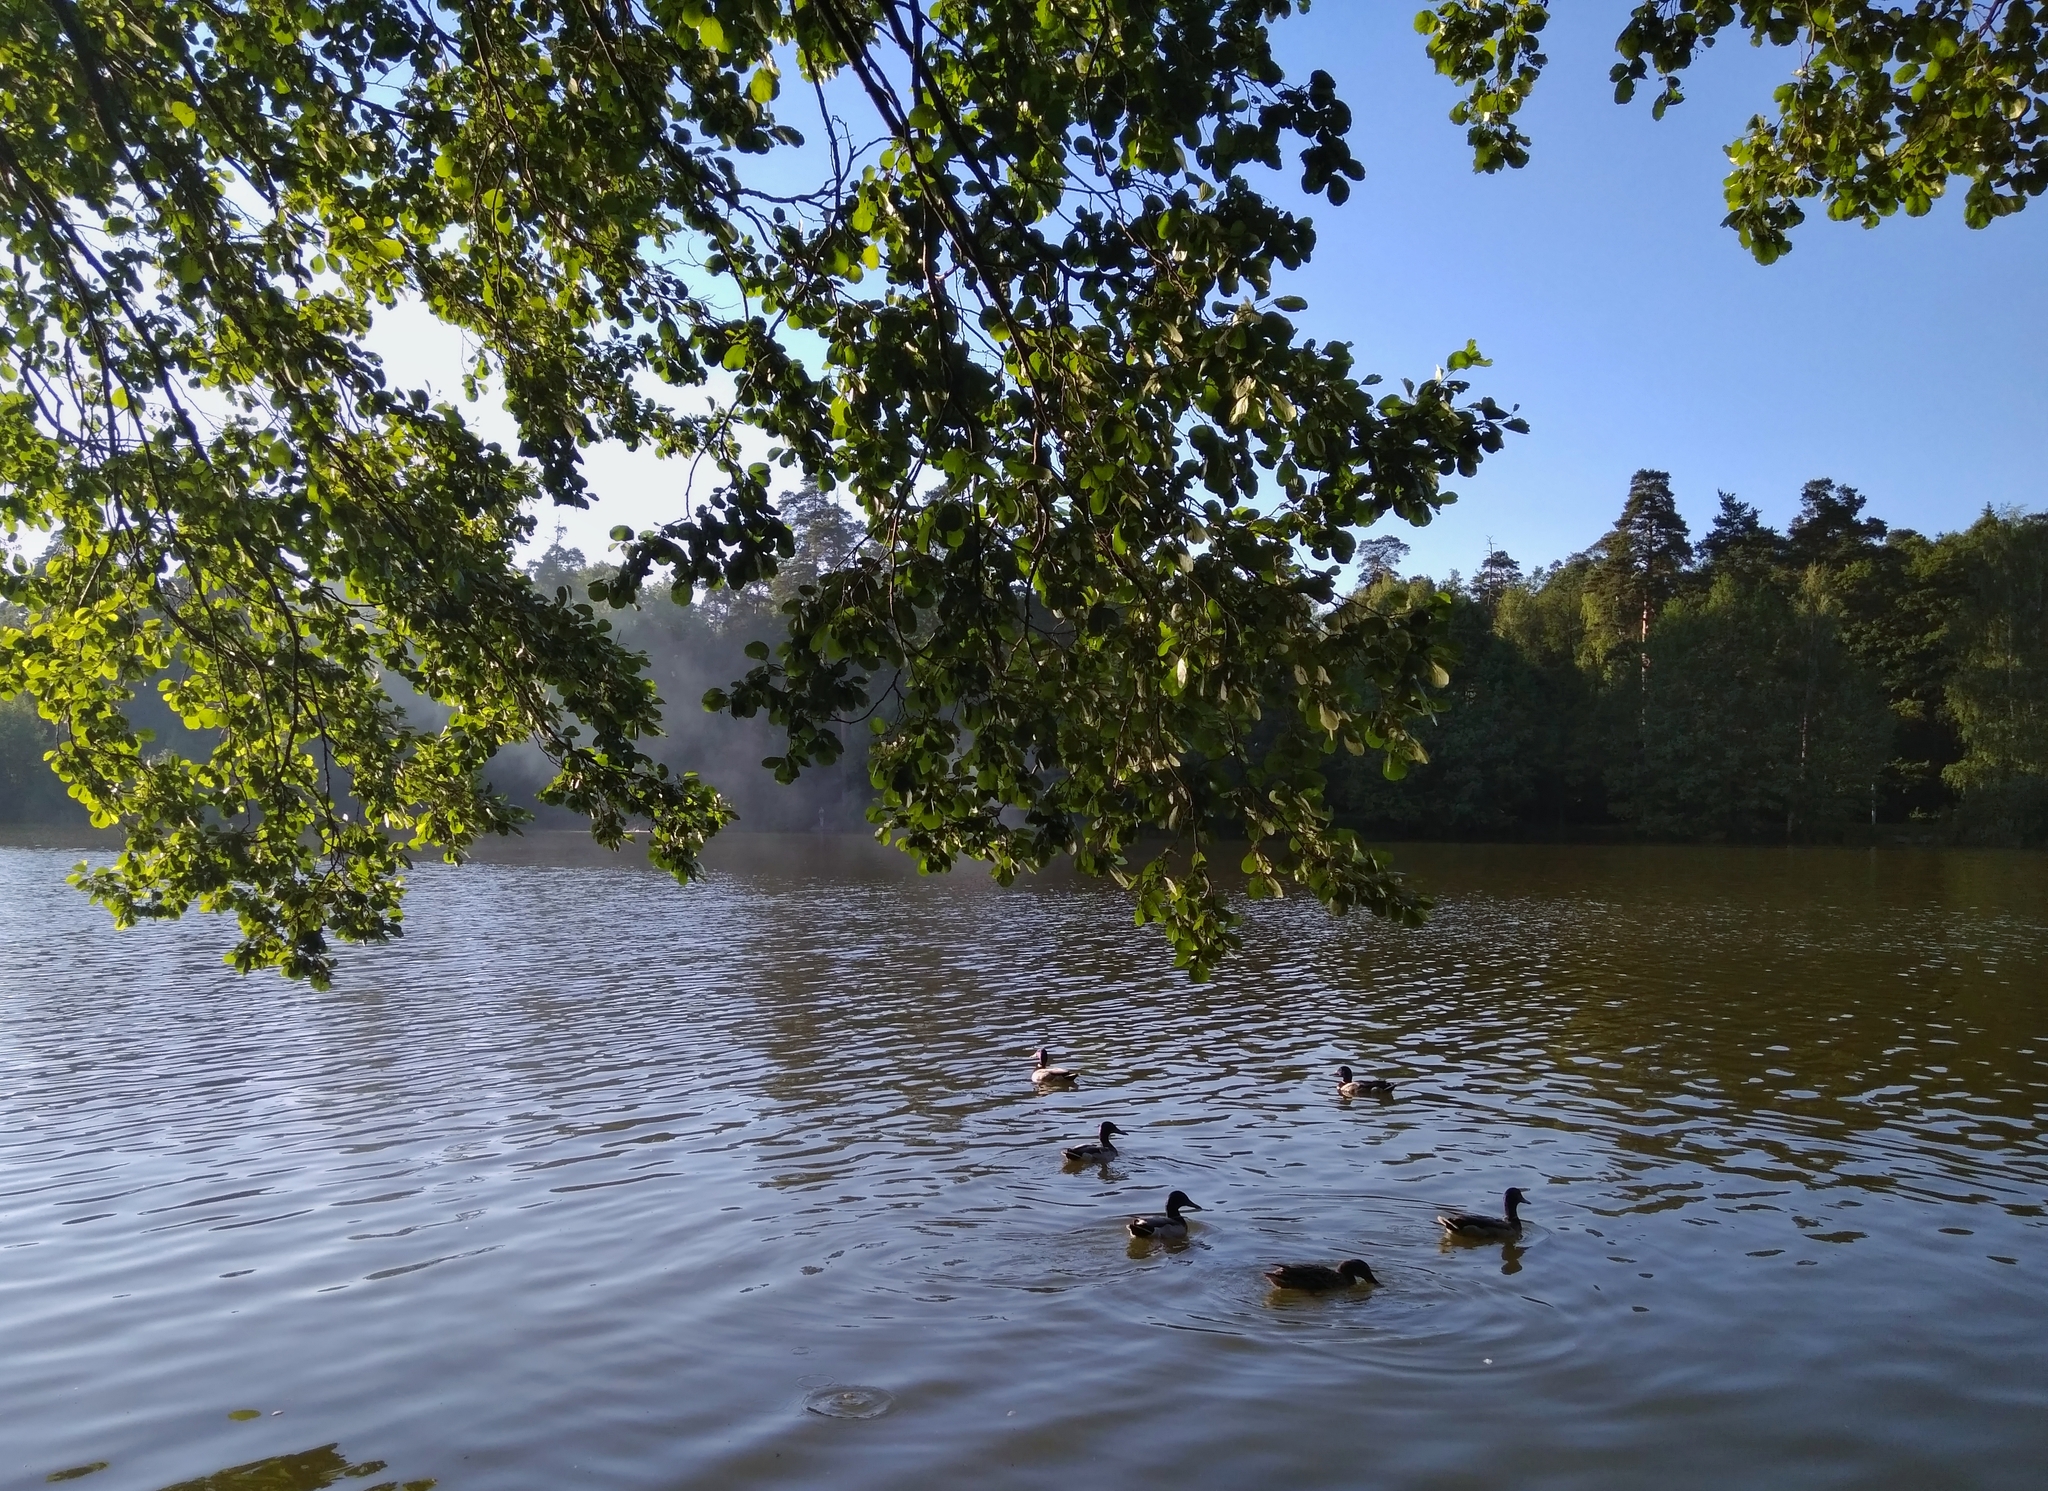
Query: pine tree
x,y
1739,538
1828,530
1379,557
1641,560
1496,575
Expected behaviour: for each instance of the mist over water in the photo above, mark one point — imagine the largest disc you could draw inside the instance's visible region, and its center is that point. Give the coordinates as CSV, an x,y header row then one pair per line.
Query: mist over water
x,y
594,1181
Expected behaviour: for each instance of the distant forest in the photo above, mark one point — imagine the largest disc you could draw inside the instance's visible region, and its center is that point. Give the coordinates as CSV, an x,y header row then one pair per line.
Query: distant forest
x,y
1841,679
1752,685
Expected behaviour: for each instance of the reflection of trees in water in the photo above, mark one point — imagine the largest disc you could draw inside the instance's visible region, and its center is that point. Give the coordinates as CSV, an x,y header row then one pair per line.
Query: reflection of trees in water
x,y
308,1470
1820,1018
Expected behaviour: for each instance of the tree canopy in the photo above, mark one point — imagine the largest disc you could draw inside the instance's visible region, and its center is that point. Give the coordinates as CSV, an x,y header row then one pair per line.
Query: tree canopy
x,y
1878,684
1002,274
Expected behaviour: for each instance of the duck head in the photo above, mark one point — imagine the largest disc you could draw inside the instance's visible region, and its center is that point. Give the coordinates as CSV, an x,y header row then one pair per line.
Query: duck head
x,y
1107,1130
1343,1074
1178,1202
1357,1270
1516,1197
1042,1056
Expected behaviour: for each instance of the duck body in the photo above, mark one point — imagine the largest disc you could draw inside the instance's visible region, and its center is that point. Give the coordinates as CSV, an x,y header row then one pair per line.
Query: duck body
x,y
1097,1153
1478,1228
1169,1223
1362,1087
1319,1279
1048,1075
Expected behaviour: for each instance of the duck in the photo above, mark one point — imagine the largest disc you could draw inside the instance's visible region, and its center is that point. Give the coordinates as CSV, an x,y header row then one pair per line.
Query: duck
x,y
1487,1229
1100,1152
1169,1224
1048,1075
1316,1278
1364,1087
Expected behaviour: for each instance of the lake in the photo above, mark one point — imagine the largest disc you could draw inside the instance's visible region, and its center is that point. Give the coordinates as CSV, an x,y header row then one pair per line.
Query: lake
x,y
594,1181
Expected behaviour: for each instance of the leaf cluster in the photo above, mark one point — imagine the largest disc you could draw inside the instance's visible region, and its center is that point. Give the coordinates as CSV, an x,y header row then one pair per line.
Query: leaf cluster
x,y
1014,301
1886,106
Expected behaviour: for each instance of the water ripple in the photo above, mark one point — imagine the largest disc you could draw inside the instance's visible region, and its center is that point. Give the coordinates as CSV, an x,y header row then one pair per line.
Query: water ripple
x,y
587,1178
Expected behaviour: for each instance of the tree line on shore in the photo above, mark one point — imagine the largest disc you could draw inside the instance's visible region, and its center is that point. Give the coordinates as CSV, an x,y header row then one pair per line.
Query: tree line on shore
x,y
1748,685
1033,323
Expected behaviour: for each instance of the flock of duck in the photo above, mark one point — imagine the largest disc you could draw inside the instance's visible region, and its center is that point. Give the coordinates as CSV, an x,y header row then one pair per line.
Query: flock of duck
x,y
1315,1277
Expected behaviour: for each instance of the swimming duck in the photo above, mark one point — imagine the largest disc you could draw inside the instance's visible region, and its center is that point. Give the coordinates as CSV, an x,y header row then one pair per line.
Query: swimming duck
x,y
1316,1278
1472,1225
1048,1075
1364,1087
1097,1153
1171,1224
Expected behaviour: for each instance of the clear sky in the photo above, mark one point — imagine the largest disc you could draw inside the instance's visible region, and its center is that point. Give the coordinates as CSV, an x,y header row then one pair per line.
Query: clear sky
x,y
1634,330
1630,327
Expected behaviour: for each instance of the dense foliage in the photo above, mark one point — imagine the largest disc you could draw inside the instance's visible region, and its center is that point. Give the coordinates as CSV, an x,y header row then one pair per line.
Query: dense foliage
x,y
1750,686
1015,297
1766,687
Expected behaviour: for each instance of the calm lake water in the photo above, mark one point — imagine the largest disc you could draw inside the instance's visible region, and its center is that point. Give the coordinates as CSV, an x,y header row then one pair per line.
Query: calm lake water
x,y
593,1181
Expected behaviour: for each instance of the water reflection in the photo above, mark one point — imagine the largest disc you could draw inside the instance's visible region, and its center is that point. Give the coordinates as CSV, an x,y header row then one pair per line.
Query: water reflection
x,y
308,1470
576,1186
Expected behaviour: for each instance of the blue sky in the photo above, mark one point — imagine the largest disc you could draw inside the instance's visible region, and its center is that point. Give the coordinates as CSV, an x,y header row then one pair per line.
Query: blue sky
x,y
1632,328
1629,326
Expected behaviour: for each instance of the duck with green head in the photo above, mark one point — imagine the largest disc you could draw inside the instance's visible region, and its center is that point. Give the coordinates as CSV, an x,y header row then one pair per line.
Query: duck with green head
x,y
1167,1224
1316,1278
1362,1087
1474,1227
1099,1153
